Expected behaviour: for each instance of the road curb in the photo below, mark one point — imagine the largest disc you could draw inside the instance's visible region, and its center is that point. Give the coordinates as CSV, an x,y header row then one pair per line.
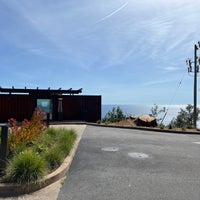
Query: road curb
x,y
8,189
146,129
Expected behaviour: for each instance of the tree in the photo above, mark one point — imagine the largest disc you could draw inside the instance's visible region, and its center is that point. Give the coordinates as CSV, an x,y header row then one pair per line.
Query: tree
x,y
115,115
185,118
155,112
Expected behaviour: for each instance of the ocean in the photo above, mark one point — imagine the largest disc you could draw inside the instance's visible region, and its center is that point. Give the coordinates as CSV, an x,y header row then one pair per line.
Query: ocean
x,y
138,110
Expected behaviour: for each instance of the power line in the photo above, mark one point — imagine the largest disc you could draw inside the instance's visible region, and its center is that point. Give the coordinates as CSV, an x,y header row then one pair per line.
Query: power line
x,y
174,95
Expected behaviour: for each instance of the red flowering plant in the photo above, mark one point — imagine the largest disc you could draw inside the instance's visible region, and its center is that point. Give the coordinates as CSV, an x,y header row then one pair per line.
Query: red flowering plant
x,y
28,131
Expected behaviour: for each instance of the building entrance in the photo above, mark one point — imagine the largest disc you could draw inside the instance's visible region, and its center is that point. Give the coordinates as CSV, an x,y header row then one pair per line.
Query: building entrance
x,y
46,105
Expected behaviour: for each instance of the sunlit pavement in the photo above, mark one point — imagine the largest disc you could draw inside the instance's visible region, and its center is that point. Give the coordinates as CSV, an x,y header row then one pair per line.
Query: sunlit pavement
x,y
113,164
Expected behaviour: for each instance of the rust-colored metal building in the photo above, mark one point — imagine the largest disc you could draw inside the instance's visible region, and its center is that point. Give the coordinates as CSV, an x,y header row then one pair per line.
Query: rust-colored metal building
x,y
62,105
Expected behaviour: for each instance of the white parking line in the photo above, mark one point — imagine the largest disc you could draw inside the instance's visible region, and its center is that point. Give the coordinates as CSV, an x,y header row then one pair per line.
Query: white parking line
x,y
196,142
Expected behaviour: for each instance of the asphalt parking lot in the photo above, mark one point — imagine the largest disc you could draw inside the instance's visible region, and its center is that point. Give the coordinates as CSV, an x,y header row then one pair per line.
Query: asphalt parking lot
x,y
120,164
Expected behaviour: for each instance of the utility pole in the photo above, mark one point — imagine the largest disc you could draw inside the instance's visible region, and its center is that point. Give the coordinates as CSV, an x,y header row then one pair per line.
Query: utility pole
x,y
195,86
195,71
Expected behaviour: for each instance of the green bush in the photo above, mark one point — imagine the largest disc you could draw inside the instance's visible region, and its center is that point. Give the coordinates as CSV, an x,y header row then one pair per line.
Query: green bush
x,y
170,126
162,126
20,147
185,118
54,145
54,157
52,132
46,141
66,140
98,121
29,162
40,148
115,115
26,167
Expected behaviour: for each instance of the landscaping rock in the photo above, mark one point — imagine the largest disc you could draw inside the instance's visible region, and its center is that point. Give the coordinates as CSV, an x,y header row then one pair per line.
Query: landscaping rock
x,y
146,120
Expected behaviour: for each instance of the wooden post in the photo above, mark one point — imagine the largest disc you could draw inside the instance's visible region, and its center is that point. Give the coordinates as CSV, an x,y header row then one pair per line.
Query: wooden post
x,y
60,109
48,118
4,146
195,86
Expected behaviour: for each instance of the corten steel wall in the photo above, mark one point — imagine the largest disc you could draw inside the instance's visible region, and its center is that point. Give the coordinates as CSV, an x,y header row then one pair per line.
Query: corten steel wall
x,y
84,108
15,106
75,107
92,111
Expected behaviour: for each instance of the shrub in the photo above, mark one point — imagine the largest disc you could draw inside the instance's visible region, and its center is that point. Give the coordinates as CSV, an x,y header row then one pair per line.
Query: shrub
x,y
46,140
20,147
40,148
156,112
28,131
115,115
54,145
162,126
26,167
66,140
54,157
183,128
170,126
98,121
52,131
185,118
29,162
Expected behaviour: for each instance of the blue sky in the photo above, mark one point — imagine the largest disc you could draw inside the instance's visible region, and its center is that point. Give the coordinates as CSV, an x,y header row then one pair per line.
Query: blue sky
x,y
128,51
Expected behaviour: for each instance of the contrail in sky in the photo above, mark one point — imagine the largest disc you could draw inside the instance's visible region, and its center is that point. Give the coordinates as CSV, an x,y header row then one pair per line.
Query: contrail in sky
x,y
113,13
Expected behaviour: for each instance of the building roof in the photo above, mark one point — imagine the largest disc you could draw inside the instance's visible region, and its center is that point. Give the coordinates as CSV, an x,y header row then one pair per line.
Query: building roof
x,y
38,91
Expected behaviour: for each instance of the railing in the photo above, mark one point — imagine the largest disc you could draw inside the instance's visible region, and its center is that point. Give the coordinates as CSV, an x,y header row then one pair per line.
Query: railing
x,y
3,146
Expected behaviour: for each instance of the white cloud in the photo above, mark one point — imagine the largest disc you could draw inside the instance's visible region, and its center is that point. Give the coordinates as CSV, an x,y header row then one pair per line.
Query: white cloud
x,y
112,13
156,82
103,36
69,29
171,69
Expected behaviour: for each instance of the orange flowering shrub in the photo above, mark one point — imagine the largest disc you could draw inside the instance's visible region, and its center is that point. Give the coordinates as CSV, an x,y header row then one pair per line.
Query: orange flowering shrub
x,y
28,131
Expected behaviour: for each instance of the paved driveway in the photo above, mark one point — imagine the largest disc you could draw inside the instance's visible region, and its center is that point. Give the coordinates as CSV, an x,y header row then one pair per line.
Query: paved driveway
x,y
122,164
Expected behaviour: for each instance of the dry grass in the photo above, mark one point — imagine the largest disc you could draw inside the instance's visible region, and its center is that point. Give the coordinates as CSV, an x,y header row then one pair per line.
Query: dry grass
x,y
124,122
131,123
